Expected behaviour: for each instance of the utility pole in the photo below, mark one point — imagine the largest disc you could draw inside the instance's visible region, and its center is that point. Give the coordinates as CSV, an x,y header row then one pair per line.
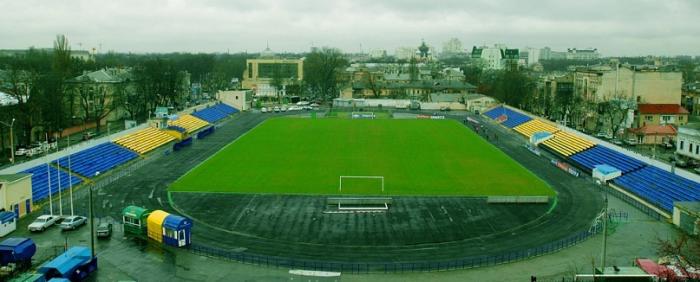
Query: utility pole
x,y
70,178
605,231
92,217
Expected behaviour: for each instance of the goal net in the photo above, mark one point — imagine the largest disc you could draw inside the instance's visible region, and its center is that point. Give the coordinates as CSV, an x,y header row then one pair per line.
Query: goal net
x,y
356,184
362,115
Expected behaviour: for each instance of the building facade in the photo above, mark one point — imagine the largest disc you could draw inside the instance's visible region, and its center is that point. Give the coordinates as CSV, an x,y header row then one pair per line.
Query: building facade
x,y
260,74
688,141
16,193
642,85
660,114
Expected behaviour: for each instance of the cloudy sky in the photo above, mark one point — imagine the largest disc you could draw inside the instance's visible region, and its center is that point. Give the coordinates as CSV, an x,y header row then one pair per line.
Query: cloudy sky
x,y
620,27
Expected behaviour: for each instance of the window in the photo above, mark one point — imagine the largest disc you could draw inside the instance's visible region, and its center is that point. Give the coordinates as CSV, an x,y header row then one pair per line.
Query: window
x,y
649,118
132,221
236,97
250,70
681,145
666,119
697,150
170,233
680,118
690,147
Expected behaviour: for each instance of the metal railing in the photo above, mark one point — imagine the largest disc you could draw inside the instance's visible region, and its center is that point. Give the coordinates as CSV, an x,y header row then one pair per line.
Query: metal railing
x,y
395,267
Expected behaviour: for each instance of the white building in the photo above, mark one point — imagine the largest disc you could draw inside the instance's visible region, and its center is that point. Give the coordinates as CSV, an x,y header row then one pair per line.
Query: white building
x,y
688,141
405,53
453,47
531,54
491,57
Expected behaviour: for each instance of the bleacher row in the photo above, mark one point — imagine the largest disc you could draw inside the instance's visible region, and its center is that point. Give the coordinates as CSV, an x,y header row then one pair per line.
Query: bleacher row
x,y
215,113
107,156
656,186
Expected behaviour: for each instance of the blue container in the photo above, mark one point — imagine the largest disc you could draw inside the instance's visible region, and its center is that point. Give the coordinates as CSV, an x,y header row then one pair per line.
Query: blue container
x,y
177,231
76,264
17,250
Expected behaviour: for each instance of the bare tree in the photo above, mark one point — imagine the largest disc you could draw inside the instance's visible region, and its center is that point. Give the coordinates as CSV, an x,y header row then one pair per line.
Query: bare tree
x,y
614,110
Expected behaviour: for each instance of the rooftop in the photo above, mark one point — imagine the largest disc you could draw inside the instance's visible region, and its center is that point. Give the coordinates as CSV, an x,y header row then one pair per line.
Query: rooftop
x,y
661,109
655,130
13,177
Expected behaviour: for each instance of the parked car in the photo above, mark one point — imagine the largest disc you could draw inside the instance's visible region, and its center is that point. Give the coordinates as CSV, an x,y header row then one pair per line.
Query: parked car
x,y
668,145
631,141
315,105
34,150
604,135
21,151
88,135
277,109
42,222
263,109
284,109
617,142
73,222
679,161
444,109
104,230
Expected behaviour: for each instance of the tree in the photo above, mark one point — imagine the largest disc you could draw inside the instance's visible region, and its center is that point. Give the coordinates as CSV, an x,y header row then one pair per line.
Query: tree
x,y
322,69
614,110
277,81
413,69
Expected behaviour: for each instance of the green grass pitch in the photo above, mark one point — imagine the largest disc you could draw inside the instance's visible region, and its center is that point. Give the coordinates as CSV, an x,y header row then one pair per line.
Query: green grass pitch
x,y
416,157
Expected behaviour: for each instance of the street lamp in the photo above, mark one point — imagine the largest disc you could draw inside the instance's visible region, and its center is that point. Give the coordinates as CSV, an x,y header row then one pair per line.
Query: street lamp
x,y
12,140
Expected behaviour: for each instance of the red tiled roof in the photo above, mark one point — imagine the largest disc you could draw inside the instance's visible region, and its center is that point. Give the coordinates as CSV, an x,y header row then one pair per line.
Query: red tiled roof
x,y
655,130
661,109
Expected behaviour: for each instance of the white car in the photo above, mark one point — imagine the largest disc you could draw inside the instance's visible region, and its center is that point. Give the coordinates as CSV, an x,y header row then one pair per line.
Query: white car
x,y
42,222
21,152
73,222
284,109
277,109
263,109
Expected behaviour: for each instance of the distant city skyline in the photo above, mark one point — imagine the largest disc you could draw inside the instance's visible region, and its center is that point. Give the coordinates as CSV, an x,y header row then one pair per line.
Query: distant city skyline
x,y
615,28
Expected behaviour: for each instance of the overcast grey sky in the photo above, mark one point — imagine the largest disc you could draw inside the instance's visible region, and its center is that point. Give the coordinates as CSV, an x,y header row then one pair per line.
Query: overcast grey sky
x,y
615,27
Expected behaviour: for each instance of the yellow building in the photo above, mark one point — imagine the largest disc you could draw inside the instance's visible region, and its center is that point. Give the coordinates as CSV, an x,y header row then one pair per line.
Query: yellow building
x,y
16,193
259,74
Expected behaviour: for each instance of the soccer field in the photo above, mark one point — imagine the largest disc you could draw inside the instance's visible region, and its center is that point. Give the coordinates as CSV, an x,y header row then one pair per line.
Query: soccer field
x,y
415,157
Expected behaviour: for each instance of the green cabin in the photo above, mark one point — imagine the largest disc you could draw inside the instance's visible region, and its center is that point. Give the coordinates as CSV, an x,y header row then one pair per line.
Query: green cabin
x,y
134,219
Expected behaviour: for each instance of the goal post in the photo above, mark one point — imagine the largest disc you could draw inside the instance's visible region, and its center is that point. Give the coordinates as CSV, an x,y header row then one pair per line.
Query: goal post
x,y
362,115
346,177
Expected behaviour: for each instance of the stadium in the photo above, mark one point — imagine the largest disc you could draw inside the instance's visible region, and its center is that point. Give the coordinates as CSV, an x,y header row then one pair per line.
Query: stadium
x,y
362,192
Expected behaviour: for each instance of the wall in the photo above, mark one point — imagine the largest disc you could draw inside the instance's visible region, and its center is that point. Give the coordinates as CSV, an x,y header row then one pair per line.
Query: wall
x,y
239,99
438,105
17,193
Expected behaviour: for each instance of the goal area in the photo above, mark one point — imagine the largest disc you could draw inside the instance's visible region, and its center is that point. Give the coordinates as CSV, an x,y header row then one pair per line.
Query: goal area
x,y
362,115
361,184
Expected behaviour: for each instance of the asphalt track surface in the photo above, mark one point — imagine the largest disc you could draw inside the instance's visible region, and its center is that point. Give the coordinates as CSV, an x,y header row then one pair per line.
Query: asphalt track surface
x,y
415,229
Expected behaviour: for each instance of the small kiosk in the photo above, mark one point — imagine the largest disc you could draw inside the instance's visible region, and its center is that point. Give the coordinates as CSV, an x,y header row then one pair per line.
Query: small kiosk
x,y
155,225
8,223
177,231
134,220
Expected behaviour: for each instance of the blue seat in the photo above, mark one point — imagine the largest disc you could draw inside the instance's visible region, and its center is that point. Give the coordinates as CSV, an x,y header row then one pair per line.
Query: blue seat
x,y
598,155
102,158
659,187
40,181
513,118
211,114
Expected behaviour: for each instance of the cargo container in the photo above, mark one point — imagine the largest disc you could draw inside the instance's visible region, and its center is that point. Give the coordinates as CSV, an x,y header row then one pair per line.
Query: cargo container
x,y
16,255
134,219
8,223
177,231
76,264
155,225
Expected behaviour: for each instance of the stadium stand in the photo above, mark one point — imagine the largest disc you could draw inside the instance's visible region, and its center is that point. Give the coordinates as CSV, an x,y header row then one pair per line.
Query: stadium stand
x,y
225,109
145,140
529,128
597,155
507,117
100,158
189,123
659,187
567,144
40,181
214,113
